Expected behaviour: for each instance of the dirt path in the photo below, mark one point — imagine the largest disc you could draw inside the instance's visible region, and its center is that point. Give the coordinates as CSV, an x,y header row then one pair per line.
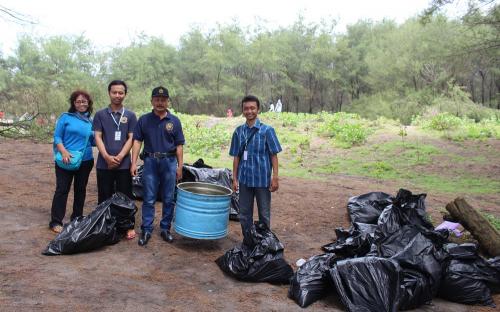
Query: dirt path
x,y
160,277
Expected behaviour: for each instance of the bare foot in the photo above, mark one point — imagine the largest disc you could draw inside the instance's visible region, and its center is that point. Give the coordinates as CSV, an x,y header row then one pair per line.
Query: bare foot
x,y
130,234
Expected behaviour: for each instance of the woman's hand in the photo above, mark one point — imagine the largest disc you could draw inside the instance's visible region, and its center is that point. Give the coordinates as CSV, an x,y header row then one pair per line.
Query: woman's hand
x,y
66,156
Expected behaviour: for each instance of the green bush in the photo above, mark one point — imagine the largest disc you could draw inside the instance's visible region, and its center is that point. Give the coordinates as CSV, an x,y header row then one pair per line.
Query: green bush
x,y
346,129
444,121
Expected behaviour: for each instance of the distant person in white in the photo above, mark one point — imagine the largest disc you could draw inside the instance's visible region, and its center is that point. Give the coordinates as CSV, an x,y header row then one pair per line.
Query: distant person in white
x,y
271,107
278,107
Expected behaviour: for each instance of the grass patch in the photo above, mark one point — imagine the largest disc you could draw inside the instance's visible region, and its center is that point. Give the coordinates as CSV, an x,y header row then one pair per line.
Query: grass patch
x,y
495,221
456,184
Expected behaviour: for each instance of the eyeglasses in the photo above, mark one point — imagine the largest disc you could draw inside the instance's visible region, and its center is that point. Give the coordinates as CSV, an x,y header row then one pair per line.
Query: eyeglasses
x,y
81,102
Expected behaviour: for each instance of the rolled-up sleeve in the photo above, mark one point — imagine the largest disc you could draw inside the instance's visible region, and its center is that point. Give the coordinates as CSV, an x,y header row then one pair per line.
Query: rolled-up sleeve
x,y
272,141
138,131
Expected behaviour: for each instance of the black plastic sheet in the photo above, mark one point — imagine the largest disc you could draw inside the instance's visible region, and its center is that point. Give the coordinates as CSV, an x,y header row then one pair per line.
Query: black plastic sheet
x,y
368,283
100,228
260,261
312,280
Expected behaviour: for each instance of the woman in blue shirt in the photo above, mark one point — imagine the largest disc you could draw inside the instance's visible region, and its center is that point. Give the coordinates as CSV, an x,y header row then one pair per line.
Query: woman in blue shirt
x,y
73,133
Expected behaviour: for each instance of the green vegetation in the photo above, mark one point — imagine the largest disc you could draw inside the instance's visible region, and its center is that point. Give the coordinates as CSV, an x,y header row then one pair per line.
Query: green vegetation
x,y
316,146
459,129
345,129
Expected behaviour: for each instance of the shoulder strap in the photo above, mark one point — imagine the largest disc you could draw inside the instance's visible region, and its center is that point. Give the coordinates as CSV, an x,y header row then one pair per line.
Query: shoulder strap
x,y
87,140
244,146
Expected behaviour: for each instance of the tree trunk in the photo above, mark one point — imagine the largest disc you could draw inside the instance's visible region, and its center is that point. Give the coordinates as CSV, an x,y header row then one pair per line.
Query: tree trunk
x,y
487,236
472,89
483,76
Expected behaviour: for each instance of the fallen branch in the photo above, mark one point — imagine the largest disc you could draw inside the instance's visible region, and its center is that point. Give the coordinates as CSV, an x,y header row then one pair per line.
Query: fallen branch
x,y
471,219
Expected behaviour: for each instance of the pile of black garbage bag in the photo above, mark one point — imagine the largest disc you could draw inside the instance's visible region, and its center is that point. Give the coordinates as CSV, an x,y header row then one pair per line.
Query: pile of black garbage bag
x,y
259,259
392,259
103,226
197,172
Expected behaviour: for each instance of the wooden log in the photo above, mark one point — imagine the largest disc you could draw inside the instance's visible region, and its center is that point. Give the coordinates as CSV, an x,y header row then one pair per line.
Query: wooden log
x,y
471,219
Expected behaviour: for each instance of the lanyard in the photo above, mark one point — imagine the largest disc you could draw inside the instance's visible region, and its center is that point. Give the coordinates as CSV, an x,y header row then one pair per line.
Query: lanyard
x,y
119,120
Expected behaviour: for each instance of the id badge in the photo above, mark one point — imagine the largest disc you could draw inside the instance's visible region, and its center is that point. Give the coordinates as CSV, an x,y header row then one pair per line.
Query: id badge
x,y
118,135
245,155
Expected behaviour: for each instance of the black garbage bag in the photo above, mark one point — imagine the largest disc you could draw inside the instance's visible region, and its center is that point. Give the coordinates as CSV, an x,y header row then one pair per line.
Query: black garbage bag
x,y
137,189
400,222
260,261
355,242
312,280
98,229
368,283
367,208
407,209
468,277
421,261
416,290
137,185
123,209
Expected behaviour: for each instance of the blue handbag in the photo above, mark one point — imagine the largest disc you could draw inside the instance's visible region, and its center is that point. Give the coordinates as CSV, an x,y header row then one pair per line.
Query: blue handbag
x,y
75,161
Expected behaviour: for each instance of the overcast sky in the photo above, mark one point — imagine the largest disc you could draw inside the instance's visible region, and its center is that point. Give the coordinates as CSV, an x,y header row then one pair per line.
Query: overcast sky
x,y
109,23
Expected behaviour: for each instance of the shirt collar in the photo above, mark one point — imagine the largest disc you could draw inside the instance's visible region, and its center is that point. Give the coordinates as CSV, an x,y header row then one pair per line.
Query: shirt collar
x,y
257,124
158,117
110,111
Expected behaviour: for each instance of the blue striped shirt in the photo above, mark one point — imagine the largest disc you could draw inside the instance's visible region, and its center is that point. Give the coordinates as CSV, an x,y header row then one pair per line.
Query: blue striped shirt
x,y
257,169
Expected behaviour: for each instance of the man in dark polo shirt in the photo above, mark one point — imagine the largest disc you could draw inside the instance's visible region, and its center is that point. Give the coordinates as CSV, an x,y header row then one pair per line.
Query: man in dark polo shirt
x,y
163,139
113,127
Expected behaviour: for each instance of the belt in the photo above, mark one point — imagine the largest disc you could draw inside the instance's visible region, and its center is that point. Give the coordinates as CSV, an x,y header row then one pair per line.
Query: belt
x,y
159,154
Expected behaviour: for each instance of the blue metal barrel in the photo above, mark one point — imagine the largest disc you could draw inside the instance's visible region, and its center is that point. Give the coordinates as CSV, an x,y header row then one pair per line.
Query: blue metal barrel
x,y
202,210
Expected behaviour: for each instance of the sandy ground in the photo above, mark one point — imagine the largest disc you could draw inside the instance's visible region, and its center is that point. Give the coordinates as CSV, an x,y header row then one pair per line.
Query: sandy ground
x,y
165,277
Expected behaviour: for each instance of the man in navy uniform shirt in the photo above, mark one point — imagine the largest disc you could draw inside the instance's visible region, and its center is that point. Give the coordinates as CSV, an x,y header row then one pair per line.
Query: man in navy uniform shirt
x,y
113,127
163,139
255,149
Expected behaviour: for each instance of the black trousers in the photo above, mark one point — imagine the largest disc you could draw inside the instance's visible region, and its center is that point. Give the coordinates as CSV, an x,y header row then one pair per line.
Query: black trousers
x,y
112,181
64,178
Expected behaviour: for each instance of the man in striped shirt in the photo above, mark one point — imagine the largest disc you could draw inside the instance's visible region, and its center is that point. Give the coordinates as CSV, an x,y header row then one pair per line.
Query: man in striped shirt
x,y
255,149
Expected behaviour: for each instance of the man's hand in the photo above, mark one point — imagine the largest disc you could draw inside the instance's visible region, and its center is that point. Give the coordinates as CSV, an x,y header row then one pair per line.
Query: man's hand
x,y
235,185
179,173
111,161
133,169
274,184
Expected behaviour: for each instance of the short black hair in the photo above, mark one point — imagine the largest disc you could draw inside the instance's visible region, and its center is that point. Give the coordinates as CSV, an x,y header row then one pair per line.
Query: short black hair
x,y
117,83
250,98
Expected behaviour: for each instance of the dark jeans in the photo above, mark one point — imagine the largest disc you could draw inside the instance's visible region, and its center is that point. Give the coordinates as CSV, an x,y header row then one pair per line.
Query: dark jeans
x,y
158,173
63,185
246,200
112,181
